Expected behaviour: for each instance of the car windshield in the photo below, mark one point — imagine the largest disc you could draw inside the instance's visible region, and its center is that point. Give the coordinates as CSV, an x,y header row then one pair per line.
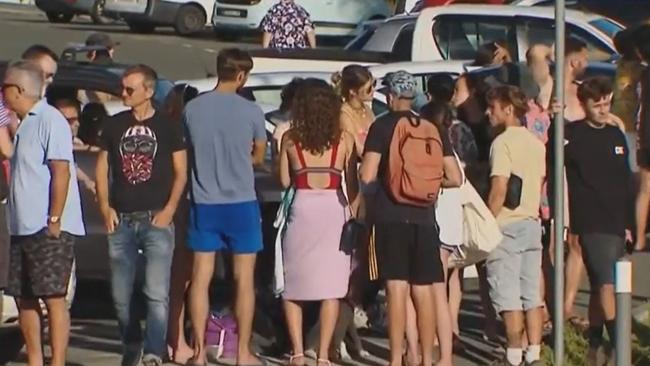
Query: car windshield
x,y
606,26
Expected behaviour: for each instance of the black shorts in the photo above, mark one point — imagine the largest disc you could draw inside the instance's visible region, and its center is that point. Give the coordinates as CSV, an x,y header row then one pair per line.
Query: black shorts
x,y
600,253
40,265
408,252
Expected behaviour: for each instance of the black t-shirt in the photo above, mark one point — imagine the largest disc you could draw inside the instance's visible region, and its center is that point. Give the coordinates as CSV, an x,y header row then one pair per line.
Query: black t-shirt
x,y
140,159
601,189
382,207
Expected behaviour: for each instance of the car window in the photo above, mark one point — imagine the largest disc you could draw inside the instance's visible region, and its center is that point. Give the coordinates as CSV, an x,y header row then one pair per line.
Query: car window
x,y
458,37
536,31
606,26
403,47
360,41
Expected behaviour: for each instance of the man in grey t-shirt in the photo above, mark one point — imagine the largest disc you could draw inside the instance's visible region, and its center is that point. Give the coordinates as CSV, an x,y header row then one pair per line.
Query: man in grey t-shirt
x,y
223,129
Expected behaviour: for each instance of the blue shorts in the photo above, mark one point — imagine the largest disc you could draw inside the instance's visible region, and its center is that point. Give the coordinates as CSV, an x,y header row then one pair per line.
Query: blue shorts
x,y
233,226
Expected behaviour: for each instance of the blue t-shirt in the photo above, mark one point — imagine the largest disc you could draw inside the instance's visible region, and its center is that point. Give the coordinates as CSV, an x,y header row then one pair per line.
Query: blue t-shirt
x,y
43,135
221,129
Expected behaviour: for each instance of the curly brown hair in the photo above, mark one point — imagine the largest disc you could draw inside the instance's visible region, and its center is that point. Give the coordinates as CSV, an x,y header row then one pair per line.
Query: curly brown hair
x,y
316,111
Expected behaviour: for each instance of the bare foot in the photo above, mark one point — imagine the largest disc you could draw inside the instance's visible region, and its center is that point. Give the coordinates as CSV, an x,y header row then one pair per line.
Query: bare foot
x,y
248,360
182,354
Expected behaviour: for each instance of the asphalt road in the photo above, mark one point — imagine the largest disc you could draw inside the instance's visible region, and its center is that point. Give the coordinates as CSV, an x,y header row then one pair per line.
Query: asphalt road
x,y
94,339
172,56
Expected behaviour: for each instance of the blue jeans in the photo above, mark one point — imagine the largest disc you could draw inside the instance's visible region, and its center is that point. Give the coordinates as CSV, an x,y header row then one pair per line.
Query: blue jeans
x,y
133,233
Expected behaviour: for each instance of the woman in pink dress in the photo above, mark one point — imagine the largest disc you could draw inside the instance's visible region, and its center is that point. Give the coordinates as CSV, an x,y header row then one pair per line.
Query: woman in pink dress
x,y
316,155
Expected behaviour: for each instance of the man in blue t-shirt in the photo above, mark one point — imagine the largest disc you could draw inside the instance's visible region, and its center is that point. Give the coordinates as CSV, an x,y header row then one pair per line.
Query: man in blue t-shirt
x,y
223,128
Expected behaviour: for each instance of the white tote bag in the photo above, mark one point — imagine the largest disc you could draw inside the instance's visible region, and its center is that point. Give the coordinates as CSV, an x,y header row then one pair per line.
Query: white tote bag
x,y
449,213
481,233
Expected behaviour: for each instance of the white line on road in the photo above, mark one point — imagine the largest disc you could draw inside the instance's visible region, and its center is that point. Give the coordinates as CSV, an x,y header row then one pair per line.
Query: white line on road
x,y
209,50
187,45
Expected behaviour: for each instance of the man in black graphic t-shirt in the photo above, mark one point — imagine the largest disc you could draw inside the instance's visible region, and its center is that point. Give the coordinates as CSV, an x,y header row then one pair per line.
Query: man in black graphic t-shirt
x,y
601,201
146,154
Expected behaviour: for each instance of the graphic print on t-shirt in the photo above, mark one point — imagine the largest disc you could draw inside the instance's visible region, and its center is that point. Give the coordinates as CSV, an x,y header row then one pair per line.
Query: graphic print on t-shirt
x,y
138,147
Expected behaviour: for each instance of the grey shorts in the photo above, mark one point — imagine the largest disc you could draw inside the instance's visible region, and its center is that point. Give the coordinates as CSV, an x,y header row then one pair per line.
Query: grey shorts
x,y
514,268
600,253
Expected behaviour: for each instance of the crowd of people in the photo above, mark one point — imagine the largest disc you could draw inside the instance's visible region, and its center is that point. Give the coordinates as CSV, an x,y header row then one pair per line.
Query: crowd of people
x,y
369,201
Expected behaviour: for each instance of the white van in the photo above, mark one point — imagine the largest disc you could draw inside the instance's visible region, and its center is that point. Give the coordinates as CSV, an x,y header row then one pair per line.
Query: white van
x,y
330,17
142,16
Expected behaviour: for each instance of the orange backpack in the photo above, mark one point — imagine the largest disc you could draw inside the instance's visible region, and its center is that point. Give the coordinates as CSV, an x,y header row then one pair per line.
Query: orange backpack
x,y
415,169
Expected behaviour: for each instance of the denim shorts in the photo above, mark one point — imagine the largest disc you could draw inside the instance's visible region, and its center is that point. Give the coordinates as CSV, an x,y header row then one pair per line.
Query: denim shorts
x,y
234,226
514,268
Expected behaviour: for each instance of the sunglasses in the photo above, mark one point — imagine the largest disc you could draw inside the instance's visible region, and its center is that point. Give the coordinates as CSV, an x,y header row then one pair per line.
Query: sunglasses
x,y
371,87
129,90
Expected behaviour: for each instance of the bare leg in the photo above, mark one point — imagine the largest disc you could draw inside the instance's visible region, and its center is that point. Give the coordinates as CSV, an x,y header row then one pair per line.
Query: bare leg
x,y
293,315
443,323
642,202
412,338
574,269
202,270
397,292
455,297
180,281
30,325
329,312
244,267
514,323
59,319
534,325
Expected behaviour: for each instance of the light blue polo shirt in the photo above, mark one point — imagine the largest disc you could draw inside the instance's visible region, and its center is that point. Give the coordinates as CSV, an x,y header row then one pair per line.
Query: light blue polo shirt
x,y
43,135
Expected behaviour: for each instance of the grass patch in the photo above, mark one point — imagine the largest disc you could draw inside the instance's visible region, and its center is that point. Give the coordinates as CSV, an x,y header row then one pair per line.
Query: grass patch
x,y
575,351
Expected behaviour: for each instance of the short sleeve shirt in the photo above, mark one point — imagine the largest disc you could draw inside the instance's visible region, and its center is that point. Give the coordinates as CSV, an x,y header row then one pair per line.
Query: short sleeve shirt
x,y
518,152
43,135
384,208
4,112
141,162
222,128
288,23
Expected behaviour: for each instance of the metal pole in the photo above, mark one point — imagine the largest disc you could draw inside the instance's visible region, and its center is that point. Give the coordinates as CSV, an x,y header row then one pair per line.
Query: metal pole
x,y
623,312
558,178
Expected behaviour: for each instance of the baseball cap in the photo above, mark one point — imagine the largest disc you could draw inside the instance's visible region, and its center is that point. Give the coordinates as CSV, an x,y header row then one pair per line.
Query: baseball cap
x,y
400,84
101,39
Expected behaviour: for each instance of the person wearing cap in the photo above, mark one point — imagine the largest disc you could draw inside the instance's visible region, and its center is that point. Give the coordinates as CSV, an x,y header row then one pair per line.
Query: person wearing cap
x,y
416,269
102,57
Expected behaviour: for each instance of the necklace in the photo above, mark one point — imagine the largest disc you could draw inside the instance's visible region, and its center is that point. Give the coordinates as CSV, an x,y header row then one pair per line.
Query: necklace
x,y
361,111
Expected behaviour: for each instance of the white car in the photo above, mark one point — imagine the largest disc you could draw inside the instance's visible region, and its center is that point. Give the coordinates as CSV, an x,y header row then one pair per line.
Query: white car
x,y
454,32
330,17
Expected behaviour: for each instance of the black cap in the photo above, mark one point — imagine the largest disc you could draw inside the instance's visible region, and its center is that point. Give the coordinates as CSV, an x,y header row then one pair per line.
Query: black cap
x,y
101,39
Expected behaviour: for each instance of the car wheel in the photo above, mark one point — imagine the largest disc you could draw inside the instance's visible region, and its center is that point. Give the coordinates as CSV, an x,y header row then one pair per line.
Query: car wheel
x,y
55,17
141,27
190,19
12,342
97,13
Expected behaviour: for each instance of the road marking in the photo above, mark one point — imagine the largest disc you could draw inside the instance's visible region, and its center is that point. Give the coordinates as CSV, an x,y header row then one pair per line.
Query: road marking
x,y
209,50
187,45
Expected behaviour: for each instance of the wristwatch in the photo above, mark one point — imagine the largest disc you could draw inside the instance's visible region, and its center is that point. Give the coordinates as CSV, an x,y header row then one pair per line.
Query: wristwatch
x,y
53,219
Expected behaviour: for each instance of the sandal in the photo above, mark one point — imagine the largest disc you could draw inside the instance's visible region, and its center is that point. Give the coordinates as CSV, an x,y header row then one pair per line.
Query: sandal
x,y
293,357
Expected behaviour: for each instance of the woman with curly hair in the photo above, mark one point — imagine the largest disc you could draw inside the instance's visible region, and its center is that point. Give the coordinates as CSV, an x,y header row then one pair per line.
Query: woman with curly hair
x,y
316,155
